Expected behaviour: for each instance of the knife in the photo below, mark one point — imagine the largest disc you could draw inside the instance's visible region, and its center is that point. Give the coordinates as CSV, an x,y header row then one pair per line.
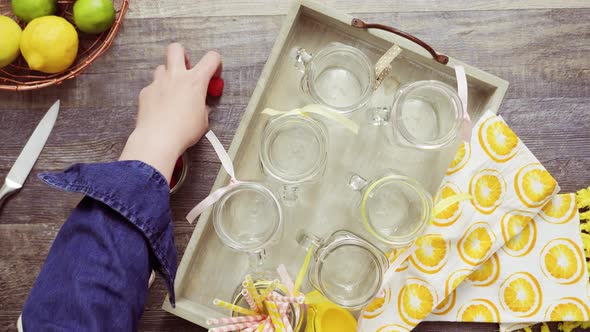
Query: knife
x,y
24,163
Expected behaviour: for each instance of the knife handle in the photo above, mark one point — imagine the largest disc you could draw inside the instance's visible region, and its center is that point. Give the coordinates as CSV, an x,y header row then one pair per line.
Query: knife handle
x,y
6,191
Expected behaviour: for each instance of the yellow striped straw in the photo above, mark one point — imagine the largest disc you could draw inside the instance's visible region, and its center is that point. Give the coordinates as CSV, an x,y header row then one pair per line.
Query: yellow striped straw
x,y
233,307
261,327
273,285
275,316
249,285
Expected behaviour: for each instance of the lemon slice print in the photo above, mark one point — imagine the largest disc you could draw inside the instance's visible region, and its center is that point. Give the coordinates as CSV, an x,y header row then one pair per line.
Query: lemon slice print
x,y
478,310
519,231
487,273
392,255
534,185
568,309
451,284
487,188
461,158
521,295
415,301
453,212
497,140
562,261
476,243
432,253
376,307
559,210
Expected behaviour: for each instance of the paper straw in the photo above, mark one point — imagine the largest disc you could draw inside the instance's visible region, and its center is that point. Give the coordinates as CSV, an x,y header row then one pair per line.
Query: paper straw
x,y
233,320
264,324
268,327
302,271
284,308
229,328
275,317
249,300
253,327
233,307
249,285
291,299
285,278
268,291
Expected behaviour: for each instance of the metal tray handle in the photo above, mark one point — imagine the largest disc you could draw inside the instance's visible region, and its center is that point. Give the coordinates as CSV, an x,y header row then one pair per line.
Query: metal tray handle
x,y
357,23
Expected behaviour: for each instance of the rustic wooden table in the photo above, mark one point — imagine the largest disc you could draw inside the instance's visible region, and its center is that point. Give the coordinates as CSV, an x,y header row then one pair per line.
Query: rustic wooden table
x,y
540,46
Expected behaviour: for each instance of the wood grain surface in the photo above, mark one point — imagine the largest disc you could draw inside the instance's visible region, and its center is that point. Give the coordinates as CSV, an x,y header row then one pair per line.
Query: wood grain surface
x,y
540,47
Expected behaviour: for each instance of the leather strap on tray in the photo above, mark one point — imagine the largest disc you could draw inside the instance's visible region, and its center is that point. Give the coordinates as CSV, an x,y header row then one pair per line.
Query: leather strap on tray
x,y
357,23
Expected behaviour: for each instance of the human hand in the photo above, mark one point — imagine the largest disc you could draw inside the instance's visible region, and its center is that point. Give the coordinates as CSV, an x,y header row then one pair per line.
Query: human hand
x,y
172,113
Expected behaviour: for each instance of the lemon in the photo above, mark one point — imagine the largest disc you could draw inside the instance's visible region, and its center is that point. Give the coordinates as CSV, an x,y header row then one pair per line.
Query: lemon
x,y
27,10
94,16
49,44
10,34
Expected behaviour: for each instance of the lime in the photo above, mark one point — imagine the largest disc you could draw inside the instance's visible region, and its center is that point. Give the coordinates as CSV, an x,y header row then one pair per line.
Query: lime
x,y
27,10
10,34
94,16
49,44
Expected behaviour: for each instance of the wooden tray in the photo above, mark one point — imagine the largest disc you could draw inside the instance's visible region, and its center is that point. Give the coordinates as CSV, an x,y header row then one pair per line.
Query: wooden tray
x,y
210,270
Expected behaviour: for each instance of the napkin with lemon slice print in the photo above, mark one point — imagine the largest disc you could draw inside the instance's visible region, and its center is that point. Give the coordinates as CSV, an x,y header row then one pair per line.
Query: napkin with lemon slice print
x,y
505,182
540,274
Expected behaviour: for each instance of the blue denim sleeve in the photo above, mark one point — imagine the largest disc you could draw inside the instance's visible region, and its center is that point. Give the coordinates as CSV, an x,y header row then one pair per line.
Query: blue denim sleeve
x,y
96,274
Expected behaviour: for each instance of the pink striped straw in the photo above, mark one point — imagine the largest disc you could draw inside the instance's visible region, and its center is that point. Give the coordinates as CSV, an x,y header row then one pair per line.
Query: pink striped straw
x,y
285,278
268,325
250,300
252,328
291,299
283,310
230,328
233,320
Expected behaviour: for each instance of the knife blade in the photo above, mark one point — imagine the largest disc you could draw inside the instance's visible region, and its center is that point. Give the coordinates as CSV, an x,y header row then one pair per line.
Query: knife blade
x,y
26,160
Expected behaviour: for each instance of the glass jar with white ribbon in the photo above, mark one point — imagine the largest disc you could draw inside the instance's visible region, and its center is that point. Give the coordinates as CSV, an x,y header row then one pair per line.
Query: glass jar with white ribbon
x,y
426,114
247,216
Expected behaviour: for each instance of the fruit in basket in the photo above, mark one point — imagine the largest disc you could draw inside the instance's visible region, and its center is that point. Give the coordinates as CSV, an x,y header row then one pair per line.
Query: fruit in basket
x,y
94,16
49,44
10,34
27,10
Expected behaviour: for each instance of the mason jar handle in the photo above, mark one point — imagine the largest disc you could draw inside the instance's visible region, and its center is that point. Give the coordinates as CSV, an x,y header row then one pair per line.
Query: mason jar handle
x,y
301,58
356,182
307,240
357,23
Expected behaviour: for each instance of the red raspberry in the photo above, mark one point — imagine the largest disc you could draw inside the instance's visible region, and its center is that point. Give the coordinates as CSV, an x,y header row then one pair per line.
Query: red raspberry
x,y
215,88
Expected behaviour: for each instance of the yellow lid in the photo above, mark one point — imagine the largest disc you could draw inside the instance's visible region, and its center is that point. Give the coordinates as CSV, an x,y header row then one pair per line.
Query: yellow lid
x,y
325,316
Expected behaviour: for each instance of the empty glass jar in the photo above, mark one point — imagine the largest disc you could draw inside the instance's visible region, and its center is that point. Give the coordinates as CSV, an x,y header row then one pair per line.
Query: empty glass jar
x,y
339,76
248,218
293,151
394,208
345,268
424,114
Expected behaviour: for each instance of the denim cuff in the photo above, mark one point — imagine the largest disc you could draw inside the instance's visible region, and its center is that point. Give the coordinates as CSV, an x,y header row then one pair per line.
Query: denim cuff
x,y
139,193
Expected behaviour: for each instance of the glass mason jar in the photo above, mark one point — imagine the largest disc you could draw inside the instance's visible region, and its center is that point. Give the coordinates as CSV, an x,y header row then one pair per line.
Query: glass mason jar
x,y
339,76
249,218
394,208
345,268
425,115
293,151
297,313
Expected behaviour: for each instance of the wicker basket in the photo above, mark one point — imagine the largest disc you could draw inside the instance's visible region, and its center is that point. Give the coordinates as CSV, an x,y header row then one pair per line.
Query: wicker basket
x,y
18,77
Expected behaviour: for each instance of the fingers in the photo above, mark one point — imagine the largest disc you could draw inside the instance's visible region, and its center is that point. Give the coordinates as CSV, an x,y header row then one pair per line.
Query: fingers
x,y
175,57
209,66
160,71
